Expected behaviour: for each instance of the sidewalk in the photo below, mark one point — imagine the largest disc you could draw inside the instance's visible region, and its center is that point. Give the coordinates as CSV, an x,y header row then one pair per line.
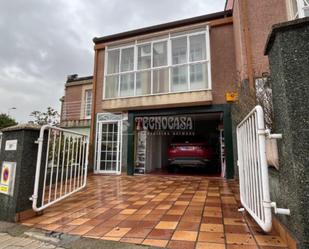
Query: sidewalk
x,y
10,242
16,236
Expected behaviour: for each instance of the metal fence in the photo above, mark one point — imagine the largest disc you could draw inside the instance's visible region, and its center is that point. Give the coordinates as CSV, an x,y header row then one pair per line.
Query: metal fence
x,y
75,110
253,168
61,168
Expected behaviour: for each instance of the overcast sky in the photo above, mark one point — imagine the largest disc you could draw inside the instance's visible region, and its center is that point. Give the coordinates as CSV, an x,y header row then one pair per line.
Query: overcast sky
x,y
42,41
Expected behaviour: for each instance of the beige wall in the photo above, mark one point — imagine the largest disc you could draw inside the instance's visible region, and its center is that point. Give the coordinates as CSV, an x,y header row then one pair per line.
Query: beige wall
x,y
158,101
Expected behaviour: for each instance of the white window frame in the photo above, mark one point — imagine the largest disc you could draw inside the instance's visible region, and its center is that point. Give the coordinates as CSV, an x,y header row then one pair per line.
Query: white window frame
x,y
86,103
102,118
301,7
169,65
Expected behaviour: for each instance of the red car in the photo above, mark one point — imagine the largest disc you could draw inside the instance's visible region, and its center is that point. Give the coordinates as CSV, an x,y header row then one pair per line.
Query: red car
x,y
189,152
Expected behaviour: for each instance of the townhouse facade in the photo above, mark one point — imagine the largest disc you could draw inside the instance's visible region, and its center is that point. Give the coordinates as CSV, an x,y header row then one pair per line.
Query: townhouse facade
x,y
188,68
191,69
76,104
195,77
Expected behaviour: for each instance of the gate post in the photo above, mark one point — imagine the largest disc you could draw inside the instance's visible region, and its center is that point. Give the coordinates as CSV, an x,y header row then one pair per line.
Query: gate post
x,y
18,154
288,53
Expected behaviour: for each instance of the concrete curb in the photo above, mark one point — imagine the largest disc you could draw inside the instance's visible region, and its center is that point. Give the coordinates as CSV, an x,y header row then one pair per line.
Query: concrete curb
x,y
64,240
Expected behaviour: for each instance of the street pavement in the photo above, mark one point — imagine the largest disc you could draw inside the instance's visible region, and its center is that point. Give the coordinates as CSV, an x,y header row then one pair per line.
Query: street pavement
x,y
17,236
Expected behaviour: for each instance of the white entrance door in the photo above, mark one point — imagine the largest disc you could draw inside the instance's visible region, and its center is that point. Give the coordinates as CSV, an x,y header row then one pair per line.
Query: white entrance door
x,y
109,147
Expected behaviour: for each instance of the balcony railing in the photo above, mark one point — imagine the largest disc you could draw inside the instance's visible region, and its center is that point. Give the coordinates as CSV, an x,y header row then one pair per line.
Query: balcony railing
x,y
75,114
75,123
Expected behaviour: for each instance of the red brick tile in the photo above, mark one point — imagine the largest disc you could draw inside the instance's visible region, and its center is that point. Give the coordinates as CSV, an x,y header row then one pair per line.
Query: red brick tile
x,y
164,234
138,232
211,237
245,247
240,239
132,240
207,245
93,222
188,226
155,242
117,232
148,224
175,244
212,220
185,235
170,217
128,223
98,231
81,230
236,229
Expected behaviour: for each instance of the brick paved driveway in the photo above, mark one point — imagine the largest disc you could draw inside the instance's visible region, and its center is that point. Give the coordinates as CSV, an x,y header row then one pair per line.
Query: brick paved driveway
x,y
168,211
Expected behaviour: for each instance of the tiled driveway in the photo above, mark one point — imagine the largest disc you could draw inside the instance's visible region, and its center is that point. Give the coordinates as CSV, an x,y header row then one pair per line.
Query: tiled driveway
x,y
168,211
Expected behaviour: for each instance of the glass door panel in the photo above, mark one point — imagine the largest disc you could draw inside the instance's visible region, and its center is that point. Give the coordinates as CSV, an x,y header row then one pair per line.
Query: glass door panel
x,y
109,147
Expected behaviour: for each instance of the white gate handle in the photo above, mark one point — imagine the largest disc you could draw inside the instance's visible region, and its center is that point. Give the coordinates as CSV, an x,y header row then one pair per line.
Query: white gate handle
x,y
273,136
284,211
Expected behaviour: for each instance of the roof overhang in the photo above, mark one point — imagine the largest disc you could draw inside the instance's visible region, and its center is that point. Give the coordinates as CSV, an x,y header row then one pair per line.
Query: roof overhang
x,y
162,27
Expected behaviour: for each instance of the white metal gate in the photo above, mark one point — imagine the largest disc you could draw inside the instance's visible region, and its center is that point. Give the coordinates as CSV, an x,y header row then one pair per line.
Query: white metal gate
x,y
253,168
61,168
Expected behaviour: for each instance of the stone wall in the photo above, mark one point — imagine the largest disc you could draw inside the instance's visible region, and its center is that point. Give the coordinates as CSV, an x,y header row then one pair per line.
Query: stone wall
x,y
25,157
288,52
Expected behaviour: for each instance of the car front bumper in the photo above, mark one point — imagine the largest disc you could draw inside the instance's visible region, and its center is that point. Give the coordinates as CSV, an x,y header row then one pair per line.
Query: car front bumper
x,y
193,162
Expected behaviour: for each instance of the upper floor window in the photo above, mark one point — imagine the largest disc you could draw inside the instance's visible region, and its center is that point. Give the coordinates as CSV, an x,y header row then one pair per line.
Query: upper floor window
x,y
88,103
299,8
179,62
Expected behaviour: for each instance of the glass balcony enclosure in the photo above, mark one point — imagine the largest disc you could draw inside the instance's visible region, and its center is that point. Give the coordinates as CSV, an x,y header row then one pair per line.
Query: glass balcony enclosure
x,y
299,8
177,62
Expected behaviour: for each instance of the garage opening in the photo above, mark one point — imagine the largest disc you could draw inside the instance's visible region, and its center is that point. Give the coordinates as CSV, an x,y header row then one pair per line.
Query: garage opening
x,y
180,144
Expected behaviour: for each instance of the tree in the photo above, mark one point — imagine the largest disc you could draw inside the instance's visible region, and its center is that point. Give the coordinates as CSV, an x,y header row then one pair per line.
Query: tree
x,y
6,121
50,117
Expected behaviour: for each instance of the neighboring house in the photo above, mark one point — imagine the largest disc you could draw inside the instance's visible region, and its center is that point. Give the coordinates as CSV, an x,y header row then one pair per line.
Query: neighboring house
x,y
77,104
